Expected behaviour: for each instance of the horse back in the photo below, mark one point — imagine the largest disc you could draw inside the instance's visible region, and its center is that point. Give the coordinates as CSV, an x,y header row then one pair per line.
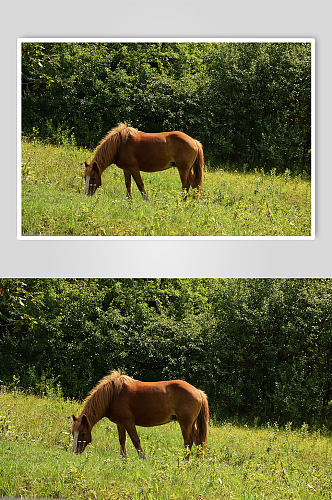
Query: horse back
x,y
171,140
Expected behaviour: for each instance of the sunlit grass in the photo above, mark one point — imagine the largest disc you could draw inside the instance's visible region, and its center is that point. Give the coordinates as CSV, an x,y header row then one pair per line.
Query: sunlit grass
x,y
232,204
241,462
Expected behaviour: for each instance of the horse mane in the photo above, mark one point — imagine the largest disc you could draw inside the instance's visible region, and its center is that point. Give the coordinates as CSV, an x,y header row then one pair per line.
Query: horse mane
x,y
108,146
106,391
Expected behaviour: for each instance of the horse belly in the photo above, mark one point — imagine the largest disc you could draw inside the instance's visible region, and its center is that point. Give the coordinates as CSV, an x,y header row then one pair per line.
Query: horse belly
x,y
151,415
153,155
156,167
154,420
146,163
155,161
152,408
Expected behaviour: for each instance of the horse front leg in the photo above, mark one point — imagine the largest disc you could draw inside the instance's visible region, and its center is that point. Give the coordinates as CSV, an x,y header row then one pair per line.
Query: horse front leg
x,y
127,175
138,179
131,429
122,439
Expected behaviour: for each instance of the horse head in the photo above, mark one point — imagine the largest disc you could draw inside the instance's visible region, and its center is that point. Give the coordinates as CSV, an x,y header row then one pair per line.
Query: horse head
x,y
81,432
92,176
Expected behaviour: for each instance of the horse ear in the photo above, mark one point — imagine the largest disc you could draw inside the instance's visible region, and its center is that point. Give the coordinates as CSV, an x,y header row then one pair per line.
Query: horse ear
x,y
86,164
95,166
85,420
74,418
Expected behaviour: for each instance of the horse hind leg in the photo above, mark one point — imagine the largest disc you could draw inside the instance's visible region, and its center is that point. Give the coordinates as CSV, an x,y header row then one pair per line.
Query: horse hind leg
x,y
185,181
195,185
188,437
198,441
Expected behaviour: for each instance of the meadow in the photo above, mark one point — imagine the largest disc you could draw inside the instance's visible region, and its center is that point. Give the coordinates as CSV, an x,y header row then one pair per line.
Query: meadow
x,y
240,462
232,203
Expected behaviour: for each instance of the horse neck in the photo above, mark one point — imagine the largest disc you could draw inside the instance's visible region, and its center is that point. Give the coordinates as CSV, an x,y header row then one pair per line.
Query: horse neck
x,y
94,410
105,154
100,162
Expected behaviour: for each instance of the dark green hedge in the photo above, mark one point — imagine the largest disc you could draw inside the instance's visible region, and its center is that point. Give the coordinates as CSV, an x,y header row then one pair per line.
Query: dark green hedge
x,y
248,103
259,348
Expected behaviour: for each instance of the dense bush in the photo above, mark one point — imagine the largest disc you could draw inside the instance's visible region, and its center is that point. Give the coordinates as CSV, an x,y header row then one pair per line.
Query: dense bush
x,y
248,103
259,348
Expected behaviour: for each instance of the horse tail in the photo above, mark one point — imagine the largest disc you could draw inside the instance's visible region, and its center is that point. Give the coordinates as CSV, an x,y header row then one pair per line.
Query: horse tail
x,y
200,432
196,172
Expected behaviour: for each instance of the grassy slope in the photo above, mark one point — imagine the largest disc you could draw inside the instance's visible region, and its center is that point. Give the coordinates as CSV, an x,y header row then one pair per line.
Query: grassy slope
x,y
241,462
232,204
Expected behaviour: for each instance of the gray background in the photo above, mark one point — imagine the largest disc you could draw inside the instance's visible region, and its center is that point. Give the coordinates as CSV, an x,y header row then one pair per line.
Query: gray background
x,y
172,258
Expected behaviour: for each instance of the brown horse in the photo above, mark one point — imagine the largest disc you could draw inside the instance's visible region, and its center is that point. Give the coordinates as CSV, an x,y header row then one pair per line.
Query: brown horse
x,y
128,402
135,151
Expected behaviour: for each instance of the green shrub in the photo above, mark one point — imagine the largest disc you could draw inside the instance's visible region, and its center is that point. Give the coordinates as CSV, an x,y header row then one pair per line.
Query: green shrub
x,y
248,103
259,348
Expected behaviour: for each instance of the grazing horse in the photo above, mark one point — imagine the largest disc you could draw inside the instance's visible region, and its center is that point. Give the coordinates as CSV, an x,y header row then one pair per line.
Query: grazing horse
x,y
128,402
135,151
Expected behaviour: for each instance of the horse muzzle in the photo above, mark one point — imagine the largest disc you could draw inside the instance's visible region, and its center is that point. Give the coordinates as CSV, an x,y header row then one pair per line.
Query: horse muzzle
x,y
89,188
87,185
75,443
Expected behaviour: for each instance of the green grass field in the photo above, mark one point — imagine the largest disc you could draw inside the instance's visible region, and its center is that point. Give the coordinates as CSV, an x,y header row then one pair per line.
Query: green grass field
x,y
241,462
232,203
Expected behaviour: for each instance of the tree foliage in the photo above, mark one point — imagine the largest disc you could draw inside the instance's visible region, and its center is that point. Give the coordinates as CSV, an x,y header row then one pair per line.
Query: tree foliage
x,y
259,348
248,103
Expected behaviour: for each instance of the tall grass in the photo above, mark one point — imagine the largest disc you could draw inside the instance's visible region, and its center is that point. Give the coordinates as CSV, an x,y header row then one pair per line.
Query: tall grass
x,y
241,462
232,203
